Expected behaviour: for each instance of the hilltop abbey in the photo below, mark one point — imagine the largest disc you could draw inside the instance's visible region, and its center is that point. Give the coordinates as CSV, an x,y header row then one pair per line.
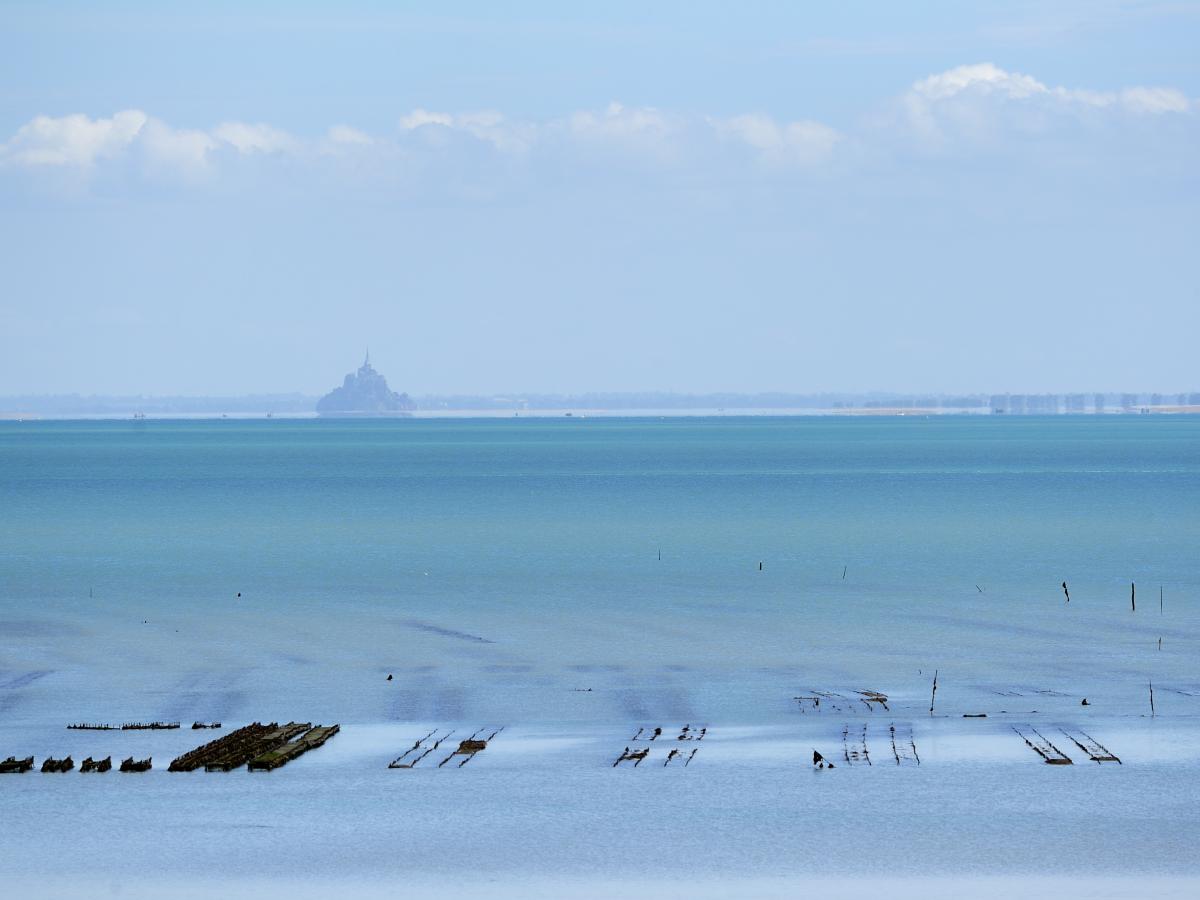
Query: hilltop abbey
x,y
364,393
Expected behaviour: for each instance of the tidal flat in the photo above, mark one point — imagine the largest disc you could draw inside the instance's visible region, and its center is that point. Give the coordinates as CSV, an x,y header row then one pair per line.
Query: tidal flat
x,y
565,584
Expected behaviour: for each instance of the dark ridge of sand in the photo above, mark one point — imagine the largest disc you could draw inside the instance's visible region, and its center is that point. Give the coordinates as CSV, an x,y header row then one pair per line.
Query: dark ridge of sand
x,y
444,632
38,628
25,679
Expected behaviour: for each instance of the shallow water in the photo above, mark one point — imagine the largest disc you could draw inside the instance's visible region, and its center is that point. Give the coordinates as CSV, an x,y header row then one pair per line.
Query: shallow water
x,y
501,569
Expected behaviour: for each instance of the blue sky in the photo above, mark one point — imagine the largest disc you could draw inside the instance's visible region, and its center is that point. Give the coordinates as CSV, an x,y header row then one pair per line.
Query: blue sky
x,y
238,198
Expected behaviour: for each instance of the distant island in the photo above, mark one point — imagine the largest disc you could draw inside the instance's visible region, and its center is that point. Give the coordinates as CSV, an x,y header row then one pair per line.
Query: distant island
x,y
365,393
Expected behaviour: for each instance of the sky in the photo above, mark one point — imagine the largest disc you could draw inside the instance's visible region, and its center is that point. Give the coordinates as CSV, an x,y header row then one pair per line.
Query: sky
x,y
240,198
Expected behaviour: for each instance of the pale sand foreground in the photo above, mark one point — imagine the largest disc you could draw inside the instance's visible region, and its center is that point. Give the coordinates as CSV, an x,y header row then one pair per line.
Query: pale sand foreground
x,y
542,814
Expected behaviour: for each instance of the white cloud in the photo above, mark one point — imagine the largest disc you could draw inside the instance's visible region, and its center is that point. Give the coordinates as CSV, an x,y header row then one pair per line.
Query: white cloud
x,y
344,134
169,148
619,122
74,140
986,79
983,78
419,117
803,143
78,141
259,138
1150,101
981,101
488,126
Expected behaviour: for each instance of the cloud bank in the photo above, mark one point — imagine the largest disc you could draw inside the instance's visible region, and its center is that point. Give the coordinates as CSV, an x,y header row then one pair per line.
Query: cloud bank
x,y
967,106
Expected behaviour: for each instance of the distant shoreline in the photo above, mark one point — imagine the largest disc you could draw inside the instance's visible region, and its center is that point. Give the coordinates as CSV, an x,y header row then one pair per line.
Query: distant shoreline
x,y
584,413
628,404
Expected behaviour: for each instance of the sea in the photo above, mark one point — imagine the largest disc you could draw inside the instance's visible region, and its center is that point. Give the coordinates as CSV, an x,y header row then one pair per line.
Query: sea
x,y
563,583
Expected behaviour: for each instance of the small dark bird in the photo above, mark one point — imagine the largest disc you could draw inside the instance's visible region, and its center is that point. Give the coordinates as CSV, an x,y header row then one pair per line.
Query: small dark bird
x,y
239,595
1085,702
389,678
1066,592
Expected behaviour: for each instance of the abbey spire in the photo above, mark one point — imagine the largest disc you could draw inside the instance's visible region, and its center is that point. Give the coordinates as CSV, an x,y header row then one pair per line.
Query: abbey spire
x,y
364,393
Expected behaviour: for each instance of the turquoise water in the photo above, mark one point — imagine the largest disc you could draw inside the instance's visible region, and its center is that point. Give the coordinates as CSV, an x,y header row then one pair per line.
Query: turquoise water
x,y
887,545
169,512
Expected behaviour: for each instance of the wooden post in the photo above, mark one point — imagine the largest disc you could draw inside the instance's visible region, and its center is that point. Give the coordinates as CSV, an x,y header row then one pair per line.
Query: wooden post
x,y
1152,698
933,696
1133,596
